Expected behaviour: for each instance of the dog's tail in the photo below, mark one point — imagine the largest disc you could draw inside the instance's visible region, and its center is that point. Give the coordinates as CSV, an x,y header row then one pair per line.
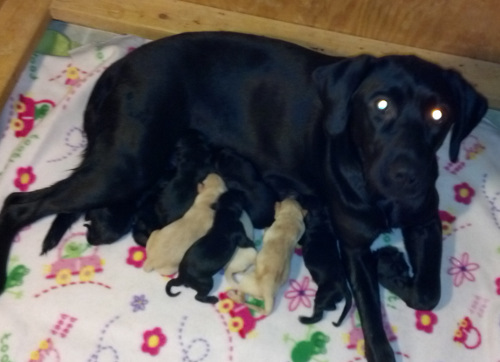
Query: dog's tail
x,y
59,226
176,282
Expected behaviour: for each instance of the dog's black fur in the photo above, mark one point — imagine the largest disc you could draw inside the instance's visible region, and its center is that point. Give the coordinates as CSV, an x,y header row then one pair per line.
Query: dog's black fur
x,y
240,174
290,111
213,251
193,160
321,256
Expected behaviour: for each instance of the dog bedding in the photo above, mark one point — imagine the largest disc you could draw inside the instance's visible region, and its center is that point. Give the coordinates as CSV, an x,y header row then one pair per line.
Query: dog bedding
x,y
84,303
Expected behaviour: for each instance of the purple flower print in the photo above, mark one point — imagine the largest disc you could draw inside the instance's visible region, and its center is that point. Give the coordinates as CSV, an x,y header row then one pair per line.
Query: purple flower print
x,y
139,302
461,269
300,293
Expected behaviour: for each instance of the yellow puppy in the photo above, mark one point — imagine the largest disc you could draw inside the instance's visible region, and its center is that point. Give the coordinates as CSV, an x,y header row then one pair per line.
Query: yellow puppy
x,y
272,264
166,247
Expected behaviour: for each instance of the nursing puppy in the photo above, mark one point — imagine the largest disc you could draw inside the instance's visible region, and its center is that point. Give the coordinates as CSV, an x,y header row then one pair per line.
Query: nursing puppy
x,y
272,264
214,250
176,191
322,258
165,248
241,174
105,225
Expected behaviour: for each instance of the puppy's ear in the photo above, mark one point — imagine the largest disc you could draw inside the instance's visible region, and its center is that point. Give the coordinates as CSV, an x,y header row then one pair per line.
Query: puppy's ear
x,y
277,206
337,83
471,107
201,186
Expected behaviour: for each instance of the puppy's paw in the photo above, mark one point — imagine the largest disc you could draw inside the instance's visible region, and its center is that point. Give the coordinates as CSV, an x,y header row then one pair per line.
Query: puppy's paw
x,y
393,271
316,317
207,299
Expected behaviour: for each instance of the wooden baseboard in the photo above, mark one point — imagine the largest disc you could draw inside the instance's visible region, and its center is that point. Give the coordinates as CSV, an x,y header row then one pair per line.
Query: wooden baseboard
x,y
157,18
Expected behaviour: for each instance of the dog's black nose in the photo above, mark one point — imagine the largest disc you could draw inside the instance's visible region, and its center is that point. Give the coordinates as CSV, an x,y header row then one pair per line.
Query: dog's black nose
x,y
403,176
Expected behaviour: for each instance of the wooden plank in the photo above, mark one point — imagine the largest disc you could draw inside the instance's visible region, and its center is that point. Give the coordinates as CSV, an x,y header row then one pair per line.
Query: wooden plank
x,y
157,18
464,27
22,24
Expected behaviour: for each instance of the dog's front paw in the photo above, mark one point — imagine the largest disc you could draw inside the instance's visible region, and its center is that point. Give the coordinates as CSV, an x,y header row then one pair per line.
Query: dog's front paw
x,y
392,269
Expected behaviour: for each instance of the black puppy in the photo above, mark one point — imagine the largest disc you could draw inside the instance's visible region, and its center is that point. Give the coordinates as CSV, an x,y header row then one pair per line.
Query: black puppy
x,y
106,225
175,192
213,251
361,132
321,256
240,174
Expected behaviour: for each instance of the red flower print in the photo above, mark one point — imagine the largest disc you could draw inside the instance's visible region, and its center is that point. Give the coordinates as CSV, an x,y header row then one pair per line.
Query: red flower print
x,y
136,256
464,193
425,320
300,293
154,339
447,220
497,282
461,269
25,177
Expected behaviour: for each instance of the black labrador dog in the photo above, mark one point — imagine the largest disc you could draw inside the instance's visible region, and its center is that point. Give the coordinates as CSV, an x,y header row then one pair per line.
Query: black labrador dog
x,y
362,132
212,252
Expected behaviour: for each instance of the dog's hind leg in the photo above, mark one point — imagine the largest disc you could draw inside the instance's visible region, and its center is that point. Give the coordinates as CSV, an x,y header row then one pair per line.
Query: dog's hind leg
x,y
84,189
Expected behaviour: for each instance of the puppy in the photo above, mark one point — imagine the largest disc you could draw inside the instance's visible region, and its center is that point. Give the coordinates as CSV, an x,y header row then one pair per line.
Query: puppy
x,y
322,258
176,191
105,225
241,174
272,264
214,250
166,247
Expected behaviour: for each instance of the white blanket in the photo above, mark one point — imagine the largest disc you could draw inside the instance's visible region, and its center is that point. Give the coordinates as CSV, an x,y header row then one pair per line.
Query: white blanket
x,y
82,303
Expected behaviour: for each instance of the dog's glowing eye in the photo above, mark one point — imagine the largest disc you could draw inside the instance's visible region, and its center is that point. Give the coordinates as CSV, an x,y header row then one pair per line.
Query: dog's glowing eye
x,y
437,114
382,104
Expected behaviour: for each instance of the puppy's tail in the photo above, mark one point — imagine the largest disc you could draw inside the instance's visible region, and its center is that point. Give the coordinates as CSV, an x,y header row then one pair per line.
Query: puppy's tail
x,y
176,282
316,316
59,226
347,306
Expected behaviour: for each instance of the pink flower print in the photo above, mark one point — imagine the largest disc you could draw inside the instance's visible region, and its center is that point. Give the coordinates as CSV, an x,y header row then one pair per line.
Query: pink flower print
x,y
464,193
136,256
461,269
154,339
447,220
425,320
300,293
497,282
25,177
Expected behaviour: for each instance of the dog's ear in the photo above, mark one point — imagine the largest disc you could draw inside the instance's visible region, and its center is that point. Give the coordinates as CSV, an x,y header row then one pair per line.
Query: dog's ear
x,y
337,83
471,108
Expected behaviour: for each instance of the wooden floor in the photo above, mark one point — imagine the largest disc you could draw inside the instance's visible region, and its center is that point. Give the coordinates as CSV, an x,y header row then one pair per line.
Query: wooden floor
x,y
22,23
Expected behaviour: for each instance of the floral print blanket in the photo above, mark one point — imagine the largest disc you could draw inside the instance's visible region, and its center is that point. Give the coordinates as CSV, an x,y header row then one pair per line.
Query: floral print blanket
x,y
84,303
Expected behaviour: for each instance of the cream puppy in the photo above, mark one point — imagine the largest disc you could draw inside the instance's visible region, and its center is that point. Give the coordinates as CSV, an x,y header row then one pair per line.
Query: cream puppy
x,y
166,247
272,264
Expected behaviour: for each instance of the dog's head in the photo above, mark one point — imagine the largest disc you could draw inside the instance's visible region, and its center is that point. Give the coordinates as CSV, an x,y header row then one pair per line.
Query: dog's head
x,y
397,111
